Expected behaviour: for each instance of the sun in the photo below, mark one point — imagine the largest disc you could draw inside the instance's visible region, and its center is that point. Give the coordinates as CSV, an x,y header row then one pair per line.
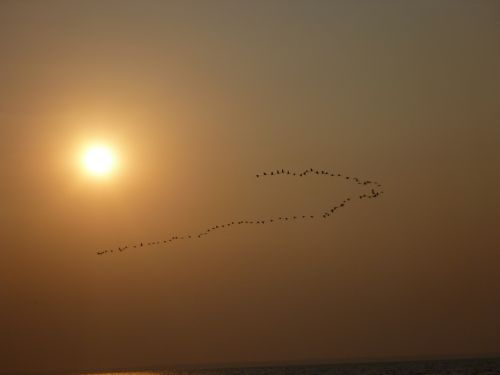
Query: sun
x,y
98,160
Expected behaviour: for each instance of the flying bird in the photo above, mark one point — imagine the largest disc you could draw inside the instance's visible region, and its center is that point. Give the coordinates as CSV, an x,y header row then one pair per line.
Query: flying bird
x,y
373,194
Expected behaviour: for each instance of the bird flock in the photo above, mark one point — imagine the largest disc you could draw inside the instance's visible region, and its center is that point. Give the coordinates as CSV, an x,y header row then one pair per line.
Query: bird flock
x,y
374,190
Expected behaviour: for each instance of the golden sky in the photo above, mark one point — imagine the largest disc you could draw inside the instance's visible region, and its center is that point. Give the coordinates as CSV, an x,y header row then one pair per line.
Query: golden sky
x,y
195,98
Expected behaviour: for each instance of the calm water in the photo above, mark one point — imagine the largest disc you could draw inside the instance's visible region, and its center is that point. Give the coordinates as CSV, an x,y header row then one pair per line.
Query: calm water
x,y
458,367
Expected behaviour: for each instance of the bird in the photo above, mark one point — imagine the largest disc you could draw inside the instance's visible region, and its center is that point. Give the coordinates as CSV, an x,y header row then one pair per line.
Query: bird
x,y
371,195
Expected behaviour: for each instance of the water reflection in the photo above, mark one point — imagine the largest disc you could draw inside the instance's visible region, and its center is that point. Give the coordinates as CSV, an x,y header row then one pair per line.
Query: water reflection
x,y
489,366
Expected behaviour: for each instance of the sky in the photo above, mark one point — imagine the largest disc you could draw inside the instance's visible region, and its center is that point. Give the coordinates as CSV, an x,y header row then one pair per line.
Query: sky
x,y
195,98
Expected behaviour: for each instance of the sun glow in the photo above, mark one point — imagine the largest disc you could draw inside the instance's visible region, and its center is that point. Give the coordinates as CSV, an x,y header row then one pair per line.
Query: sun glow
x,y
98,160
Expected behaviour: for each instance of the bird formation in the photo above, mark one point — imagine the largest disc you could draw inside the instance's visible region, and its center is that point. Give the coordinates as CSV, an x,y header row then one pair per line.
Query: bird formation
x,y
375,191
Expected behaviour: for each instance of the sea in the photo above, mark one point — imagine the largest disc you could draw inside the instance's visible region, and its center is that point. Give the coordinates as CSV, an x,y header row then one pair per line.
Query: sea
x,y
436,367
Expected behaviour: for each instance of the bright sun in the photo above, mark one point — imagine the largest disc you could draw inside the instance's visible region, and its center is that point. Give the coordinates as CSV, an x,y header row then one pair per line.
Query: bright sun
x,y
98,160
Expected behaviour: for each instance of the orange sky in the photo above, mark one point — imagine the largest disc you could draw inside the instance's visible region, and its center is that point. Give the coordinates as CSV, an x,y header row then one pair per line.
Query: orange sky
x,y
198,97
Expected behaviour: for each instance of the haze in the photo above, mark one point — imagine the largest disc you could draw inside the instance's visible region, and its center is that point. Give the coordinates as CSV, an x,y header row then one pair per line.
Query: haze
x,y
198,97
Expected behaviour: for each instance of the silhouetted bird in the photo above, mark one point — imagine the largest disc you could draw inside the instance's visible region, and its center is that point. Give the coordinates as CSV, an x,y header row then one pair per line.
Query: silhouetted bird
x,y
373,194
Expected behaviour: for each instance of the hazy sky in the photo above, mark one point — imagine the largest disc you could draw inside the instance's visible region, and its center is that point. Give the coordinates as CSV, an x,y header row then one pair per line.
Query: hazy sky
x,y
198,97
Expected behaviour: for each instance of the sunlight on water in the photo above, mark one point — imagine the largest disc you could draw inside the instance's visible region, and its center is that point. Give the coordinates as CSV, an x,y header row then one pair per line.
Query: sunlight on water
x,y
452,367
